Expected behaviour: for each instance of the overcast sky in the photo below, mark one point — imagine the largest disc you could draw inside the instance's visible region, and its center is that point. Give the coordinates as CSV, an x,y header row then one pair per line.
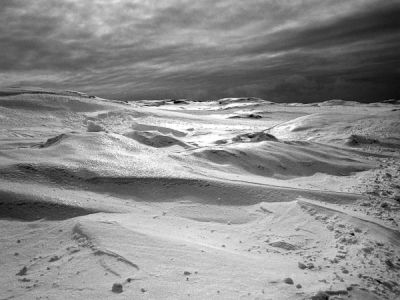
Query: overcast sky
x,y
278,50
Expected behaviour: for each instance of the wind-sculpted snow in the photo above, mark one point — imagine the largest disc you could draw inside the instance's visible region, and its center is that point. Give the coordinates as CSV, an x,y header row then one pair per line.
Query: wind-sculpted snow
x,y
23,206
284,160
154,139
106,154
341,126
239,198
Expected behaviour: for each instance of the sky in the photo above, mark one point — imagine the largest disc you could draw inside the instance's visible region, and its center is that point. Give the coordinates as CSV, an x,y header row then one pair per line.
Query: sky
x,y
283,50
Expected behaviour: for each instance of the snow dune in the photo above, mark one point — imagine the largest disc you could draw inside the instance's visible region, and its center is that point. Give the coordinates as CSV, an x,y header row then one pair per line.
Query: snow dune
x,y
174,199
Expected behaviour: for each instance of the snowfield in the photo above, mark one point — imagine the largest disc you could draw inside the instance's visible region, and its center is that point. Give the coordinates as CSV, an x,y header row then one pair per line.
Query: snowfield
x,y
240,198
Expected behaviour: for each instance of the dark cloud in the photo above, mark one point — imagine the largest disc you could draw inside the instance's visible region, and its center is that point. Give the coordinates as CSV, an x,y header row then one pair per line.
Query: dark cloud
x,y
279,50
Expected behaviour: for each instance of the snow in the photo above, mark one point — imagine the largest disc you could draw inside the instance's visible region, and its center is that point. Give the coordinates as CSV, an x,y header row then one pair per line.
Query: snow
x,y
178,200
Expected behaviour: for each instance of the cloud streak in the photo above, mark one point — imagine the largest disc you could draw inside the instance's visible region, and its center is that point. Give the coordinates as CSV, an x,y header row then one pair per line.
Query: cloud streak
x,y
278,50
